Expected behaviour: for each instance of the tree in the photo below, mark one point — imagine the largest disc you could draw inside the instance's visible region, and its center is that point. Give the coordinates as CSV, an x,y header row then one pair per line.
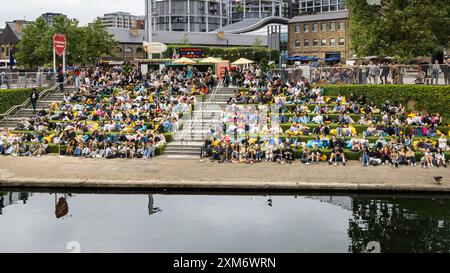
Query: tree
x,y
84,44
401,28
98,42
185,40
257,42
32,48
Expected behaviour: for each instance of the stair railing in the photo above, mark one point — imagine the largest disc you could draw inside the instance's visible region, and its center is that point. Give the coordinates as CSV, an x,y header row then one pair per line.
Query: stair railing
x,y
199,115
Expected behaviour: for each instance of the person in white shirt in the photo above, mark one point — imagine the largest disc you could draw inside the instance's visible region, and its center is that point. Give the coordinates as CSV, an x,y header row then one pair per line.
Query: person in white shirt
x,y
443,143
439,158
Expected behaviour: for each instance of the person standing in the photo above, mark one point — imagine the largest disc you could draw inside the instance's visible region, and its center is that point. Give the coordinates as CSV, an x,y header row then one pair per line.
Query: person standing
x,y
61,81
384,73
34,96
374,73
446,70
435,71
2,76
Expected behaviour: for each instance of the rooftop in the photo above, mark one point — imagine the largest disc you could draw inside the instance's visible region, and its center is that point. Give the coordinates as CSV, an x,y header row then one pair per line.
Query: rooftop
x,y
320,17
137,36
249,25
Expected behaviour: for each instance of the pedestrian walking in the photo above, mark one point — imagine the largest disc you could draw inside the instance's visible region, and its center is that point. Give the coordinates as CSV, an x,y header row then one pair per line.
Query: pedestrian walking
x,y
384,73
34,96
2,76
435,71
374,73
446,70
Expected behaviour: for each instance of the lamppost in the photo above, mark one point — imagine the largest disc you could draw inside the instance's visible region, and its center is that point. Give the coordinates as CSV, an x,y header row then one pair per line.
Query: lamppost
x,y
148,23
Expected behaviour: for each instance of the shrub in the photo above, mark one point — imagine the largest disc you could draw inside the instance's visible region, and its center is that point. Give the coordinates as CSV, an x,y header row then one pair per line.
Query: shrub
x,y
11,97
254,53
431,98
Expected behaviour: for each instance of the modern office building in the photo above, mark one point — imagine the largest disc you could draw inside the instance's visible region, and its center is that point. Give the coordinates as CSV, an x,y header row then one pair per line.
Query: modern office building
x,y
322,35
251,9
49,16
119,20
209,15
189,15
317,6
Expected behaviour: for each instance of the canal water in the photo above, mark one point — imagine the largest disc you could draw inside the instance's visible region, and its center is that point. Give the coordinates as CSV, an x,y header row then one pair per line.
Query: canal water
x,y
221,222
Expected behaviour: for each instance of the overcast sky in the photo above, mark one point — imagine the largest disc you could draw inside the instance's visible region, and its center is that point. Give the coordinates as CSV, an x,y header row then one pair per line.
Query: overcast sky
x,y
84,10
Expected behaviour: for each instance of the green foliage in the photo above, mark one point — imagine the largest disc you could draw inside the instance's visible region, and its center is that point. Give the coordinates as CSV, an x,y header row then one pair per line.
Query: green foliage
x,y
11,97
399,28
257,42
264,64
185,39
84,44
432,98
230,53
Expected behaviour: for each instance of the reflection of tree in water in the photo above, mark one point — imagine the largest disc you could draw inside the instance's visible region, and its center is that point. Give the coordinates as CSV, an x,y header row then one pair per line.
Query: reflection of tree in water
x,y
400,224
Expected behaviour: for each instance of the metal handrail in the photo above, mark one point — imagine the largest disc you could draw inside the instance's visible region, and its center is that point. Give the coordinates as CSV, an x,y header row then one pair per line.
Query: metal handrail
x,y
200,113
27,102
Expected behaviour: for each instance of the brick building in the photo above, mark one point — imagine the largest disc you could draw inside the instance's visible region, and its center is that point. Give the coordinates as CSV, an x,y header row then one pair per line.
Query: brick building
x,y
323,35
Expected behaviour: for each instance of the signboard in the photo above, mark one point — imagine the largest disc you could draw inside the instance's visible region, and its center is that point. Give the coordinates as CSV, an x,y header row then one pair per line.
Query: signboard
x,y
59,43
306,71
144,69
191,52
155,48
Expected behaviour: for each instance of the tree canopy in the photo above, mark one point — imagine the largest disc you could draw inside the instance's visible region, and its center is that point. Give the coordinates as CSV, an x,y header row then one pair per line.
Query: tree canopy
x,y
84,44
399,28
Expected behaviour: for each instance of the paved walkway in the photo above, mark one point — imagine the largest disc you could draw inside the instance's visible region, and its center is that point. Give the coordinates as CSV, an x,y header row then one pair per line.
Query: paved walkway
x,y
163,173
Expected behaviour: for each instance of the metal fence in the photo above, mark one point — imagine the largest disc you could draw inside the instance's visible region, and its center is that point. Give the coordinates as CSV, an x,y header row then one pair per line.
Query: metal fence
x,y
14,80
391,74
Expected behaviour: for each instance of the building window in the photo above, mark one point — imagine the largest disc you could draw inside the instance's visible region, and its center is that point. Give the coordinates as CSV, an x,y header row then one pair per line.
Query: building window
x,y
332,26
332,42
341,25
323,42
315,43
314,27
341,41
297,43
305,28
297,28
306,43
324,27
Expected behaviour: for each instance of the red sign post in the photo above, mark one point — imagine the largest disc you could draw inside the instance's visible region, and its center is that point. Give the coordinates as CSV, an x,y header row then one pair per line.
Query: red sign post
x,y
59,48
59,44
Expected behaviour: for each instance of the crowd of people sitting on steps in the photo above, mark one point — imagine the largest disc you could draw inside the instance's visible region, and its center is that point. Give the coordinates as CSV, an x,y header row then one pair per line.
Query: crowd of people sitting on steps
x,y
122,113
114,114
277,120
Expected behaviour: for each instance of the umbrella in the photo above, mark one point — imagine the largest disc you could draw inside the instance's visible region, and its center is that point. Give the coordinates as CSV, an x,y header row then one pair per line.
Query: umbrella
x,y
184,61
242,61
210,60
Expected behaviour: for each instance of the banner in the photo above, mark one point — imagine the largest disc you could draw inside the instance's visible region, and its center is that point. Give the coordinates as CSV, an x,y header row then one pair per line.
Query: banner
x,y
59,43
191,52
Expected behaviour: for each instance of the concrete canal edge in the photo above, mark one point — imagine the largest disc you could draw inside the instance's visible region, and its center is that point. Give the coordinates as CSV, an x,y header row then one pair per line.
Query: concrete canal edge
x,y
222,185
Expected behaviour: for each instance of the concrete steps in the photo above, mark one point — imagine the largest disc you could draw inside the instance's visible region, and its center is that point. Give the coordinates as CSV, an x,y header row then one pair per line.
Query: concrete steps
x,y
190,145
27,112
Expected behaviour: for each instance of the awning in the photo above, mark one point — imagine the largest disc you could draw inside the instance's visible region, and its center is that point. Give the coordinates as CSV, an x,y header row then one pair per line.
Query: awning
x,y
302,58
333,59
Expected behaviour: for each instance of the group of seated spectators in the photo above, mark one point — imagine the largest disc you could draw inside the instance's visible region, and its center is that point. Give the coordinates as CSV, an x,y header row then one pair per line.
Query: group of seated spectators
x,y
316,127
113,114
